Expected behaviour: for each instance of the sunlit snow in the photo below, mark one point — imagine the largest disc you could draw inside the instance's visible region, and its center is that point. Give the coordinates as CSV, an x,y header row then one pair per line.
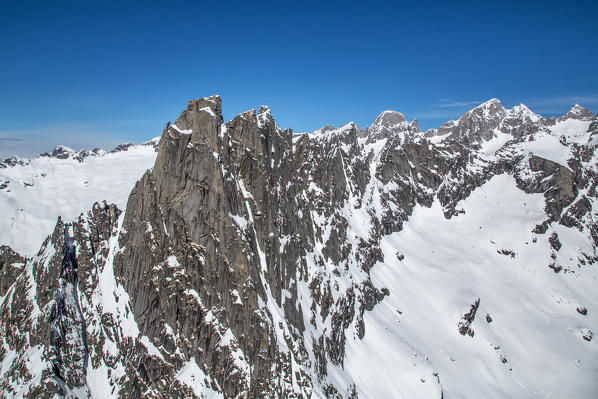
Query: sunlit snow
x,y
46,188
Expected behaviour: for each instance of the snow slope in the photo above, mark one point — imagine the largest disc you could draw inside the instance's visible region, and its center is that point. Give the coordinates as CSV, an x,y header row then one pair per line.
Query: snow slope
x,y
574,130
448,264
496,143
547,146
44,189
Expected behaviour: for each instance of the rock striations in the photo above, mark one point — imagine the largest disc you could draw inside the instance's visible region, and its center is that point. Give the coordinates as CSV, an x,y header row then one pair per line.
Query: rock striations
x,y
242,266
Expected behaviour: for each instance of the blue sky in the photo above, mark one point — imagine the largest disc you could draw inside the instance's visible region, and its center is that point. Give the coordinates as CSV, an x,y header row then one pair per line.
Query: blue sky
x,y
101,73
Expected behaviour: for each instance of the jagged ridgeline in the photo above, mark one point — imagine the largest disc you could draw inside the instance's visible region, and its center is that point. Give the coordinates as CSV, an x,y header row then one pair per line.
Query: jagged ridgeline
x,y
254,263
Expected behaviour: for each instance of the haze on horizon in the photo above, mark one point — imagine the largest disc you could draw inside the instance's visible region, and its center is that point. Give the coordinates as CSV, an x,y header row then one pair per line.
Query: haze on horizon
x,y
96,75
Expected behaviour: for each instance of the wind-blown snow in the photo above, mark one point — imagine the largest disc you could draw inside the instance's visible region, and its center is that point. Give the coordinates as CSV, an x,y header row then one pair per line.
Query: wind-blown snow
x,y
47,187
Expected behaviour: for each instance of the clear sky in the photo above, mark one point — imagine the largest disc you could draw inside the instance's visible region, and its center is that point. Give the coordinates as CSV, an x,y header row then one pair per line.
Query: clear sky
x,y
89,74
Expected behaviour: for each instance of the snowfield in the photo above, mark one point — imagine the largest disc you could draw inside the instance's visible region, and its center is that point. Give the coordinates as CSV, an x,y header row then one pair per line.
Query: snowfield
x,y
38,193
448,264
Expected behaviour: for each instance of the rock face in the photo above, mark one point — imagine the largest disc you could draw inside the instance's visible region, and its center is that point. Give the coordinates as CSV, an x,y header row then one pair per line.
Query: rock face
x,y
11,265
242,266
479,123
520,121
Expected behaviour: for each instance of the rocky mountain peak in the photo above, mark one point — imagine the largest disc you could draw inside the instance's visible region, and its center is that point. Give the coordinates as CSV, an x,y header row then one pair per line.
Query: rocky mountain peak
x,y
62,152
201,120
325,129
520,120
265,117
391,123
333,131
213,102
476,125
523,112
486,121
579,113
13,161
118,148
414,126
490,109
389,119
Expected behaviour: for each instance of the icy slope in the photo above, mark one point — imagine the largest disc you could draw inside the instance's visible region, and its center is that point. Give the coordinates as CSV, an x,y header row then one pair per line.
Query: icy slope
x,y
37,192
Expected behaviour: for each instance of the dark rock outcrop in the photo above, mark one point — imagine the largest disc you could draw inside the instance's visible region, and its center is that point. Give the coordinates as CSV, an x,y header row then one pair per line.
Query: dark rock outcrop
x,y
11,265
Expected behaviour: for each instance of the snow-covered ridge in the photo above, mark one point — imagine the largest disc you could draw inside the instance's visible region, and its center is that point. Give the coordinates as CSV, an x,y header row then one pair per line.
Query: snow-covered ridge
x,y
487,122
578,112
392,123
490,120
64,152
486,128
35,192
331,130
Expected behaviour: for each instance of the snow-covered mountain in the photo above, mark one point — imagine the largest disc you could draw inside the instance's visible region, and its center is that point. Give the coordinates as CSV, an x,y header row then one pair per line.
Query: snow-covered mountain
x,y
392,123
250,262
489,126
35,192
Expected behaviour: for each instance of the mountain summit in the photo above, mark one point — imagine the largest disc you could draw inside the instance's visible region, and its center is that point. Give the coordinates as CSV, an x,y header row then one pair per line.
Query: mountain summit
x,y
578,112
392,123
